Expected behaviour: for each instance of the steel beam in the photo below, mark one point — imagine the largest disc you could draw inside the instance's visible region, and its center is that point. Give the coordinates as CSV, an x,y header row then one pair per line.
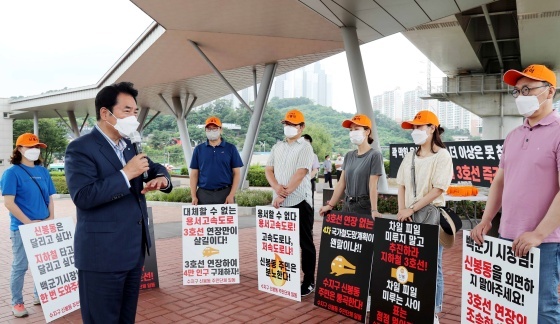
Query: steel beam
x,y
36,122
256,118
73,123
219,74
183,130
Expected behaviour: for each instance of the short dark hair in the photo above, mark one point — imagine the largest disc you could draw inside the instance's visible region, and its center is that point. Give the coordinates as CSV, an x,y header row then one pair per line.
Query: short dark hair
x,y
107,97
546,83
327,156
16,157
308,137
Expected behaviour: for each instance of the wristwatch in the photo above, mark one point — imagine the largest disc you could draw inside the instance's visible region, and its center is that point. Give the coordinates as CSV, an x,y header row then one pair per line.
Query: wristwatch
x,y
412,207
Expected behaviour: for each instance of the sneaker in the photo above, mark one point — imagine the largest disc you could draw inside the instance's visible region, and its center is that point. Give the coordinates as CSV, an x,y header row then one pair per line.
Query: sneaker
x,y
19,310
307,289
36,301
436,319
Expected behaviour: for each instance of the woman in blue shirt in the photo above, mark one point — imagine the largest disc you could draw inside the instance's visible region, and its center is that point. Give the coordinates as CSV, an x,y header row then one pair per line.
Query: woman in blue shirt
x,y
27,189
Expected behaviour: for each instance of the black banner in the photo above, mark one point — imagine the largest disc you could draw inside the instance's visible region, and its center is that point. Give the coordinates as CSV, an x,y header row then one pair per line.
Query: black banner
x,y
403,285
474,161
150,278
344,265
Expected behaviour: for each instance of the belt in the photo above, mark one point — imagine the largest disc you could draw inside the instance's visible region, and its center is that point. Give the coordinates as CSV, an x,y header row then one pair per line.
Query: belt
x,y
219,189
356,199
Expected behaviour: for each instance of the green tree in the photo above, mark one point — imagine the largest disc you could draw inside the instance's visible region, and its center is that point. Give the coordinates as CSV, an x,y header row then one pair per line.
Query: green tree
x,y
51,132
322,140
161,138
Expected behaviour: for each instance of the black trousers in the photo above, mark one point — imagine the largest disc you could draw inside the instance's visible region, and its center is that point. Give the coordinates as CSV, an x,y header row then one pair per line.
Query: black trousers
x,y
110,297
338,173
209,197
328,178
308,252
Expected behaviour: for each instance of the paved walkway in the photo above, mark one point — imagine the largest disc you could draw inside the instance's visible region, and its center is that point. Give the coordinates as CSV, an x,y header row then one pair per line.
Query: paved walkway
x,y
242,303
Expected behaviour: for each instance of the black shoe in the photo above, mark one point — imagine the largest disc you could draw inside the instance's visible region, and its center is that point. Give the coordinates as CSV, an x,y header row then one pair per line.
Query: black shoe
x,y
307,289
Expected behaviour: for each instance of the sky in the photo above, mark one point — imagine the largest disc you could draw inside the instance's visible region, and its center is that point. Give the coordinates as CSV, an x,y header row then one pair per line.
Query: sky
x,y
49,45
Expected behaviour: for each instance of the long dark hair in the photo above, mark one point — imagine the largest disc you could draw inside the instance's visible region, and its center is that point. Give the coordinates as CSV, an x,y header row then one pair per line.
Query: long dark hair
x,y
436,139
370,136
16,157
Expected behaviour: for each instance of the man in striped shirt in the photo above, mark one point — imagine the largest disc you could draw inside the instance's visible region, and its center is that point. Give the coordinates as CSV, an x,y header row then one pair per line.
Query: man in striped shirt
x,y
287,171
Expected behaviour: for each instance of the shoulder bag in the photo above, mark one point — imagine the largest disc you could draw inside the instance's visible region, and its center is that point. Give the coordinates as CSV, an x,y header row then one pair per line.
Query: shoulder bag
x,y
429,214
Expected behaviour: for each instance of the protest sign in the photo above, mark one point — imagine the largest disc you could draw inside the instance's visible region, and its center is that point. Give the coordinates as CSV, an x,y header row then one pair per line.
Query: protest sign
x,y
498,287
344,268
403,284
278,252
210,244
473,161
49,247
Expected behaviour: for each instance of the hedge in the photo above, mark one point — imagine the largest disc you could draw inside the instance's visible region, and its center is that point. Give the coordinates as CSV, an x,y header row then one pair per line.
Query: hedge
x,y
257,177
244,198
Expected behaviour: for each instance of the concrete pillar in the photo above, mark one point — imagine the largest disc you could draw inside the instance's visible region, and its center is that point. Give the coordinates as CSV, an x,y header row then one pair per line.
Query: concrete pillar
x,y
360,87
36,122
491,126
73,123
183,131
142,115
256,118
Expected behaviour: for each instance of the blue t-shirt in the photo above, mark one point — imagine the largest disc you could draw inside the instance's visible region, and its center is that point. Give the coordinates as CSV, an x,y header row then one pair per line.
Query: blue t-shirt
x,y
16,182
215,164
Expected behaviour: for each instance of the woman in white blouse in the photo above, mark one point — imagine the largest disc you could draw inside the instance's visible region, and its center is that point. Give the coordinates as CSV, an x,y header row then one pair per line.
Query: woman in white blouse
x,y
433,174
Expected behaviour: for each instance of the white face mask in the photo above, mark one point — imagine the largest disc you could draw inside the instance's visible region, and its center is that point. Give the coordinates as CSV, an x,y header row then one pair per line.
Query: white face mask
x,y
290,131
419,136
32,154
213,135
357,137
125,126
527,105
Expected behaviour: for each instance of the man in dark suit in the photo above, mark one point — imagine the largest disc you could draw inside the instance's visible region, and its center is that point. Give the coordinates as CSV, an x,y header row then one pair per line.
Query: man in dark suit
x,y
106,183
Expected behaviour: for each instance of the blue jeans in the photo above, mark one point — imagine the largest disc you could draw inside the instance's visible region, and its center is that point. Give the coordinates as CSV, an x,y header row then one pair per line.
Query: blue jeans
x,y
19,267
549,278
439,281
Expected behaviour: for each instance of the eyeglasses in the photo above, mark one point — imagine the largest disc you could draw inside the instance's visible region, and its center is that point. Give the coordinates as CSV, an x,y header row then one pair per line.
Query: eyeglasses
x,y
525,90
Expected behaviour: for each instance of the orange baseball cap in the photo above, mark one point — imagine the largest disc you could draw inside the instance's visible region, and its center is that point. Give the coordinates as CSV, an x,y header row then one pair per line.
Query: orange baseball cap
x,y
423,117
534,71
294,116
29,140
360,120
213,120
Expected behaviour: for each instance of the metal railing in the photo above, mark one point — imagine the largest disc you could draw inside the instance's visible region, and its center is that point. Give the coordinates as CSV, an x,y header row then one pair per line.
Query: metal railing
x,y
478,83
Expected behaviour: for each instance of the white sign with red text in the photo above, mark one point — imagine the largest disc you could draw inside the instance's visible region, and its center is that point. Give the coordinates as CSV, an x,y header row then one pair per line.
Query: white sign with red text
x,y
49,246
278,253
498,287
210,244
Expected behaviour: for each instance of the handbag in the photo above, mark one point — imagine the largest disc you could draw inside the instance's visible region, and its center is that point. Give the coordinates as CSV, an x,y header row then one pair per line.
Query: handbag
x,y
428,214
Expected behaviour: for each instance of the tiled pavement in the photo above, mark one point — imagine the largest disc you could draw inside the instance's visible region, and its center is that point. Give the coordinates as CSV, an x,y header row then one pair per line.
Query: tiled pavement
x,y
242,303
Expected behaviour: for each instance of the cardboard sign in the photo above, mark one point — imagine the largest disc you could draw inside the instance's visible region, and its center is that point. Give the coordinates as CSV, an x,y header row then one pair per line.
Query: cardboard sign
x,y
150,277
210,244
278,252
49,247
403,286
499,287
344,269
